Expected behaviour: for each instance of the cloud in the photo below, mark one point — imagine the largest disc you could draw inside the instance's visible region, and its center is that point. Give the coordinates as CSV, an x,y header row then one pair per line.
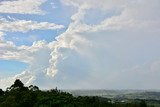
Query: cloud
x,y
1,35
9,51
21,6
105,49
155,66
110,54
25,76
15,25
36,56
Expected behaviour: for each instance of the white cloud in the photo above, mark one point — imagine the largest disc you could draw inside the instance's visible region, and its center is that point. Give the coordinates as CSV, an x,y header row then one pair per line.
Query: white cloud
x,y
155,67
15,25
36,56
1,35
115,44
22,6
25,77
9,51
110,54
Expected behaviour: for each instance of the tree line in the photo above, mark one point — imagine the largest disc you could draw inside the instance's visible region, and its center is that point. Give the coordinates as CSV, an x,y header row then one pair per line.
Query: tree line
x,y
18,95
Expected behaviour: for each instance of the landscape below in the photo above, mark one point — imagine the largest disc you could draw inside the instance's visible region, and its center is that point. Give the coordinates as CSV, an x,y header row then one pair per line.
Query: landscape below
x,y
18,95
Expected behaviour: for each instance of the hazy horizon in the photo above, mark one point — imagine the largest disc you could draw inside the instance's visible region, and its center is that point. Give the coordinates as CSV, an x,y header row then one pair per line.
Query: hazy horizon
x,y
80,44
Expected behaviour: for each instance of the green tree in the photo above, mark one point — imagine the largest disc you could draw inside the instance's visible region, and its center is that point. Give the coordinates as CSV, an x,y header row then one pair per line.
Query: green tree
x,y
33,88
143,104
1,92
17,85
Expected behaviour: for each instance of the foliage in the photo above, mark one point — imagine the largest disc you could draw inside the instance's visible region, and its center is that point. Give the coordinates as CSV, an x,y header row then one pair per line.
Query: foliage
x,y
20,96
1,92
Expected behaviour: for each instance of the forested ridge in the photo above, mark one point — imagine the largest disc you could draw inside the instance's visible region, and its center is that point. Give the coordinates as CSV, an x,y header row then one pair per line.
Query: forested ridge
x,y
18,95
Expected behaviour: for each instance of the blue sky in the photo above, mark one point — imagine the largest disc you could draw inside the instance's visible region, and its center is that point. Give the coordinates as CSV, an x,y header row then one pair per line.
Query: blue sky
x,y
54,12
105,44
11,67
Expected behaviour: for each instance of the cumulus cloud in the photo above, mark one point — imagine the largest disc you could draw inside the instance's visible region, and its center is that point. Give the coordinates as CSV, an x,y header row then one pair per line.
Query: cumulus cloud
x,y
114,44
25,76
36,56
9,51
1,35
15,25
21,6
110,54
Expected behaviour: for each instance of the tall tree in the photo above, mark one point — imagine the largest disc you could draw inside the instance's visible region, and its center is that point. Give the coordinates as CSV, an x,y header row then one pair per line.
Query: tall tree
x,y
18,83
1,92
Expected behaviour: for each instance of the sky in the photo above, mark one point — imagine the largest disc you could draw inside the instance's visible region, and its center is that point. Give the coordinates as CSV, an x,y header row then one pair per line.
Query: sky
x,y
80,44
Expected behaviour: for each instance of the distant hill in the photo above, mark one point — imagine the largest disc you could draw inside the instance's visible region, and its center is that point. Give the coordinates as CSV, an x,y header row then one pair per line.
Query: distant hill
x,y
123,94
141,95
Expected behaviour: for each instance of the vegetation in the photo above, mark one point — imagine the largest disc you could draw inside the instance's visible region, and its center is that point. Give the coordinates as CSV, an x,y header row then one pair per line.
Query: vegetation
x,y
20,96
